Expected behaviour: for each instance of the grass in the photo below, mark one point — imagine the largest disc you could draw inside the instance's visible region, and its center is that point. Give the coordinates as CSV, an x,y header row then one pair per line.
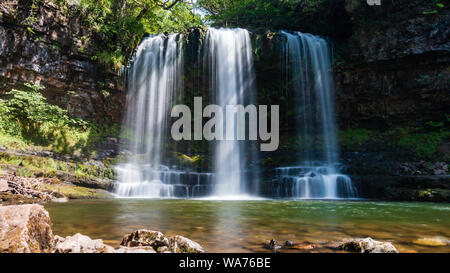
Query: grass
x,y
75,192
34,166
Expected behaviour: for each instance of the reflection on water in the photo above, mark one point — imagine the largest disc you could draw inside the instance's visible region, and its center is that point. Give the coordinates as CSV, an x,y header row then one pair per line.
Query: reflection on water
x,y
243,226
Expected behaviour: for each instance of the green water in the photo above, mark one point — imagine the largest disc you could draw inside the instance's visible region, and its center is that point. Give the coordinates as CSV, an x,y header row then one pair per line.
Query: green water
x,y
243,226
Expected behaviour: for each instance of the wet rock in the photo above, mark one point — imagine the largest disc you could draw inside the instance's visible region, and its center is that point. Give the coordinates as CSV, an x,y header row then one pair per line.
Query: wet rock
x,y
79,243
25,229
367,245
180,244
144,237
273,245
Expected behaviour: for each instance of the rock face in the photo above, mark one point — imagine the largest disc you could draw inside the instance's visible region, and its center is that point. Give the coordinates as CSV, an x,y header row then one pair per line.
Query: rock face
x,y
79,243
56,51
404,188
367,245
160,243
25,229
397,69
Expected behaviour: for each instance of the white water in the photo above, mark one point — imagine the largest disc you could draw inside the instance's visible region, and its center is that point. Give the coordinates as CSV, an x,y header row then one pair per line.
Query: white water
x,y
229,56
307,63
154,79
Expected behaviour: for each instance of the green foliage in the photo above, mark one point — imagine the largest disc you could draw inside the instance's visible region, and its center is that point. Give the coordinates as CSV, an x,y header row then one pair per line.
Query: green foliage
x,y
355,137
27,118
423,142
259,13
34,166
120,24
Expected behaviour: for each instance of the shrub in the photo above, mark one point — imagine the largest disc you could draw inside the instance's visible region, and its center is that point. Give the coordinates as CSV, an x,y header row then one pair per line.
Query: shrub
x,y
27,118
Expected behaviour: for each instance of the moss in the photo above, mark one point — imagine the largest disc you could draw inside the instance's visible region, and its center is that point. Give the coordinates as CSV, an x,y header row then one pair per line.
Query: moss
x,y
422,142
354,137
75,192
35,166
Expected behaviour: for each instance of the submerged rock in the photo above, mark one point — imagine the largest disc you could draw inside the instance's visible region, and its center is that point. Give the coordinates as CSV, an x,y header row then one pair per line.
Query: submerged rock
x,y
273,245
25,229
79,243
367,245
288,243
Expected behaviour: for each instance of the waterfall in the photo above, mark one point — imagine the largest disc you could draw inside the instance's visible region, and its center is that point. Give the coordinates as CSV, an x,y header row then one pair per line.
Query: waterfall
x,y
307,70
229,58
154,80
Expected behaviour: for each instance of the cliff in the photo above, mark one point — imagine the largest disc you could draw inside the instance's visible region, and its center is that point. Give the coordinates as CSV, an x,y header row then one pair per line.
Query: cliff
x,y
42,44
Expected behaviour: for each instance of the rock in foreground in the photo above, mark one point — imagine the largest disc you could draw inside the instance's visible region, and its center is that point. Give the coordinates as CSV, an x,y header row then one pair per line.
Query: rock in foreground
x,y
79,243
368,245
180,244
144,237
25,229
160,243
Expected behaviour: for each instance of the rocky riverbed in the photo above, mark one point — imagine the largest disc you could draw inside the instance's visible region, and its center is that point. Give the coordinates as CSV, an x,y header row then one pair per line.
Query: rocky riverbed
x,y
28,229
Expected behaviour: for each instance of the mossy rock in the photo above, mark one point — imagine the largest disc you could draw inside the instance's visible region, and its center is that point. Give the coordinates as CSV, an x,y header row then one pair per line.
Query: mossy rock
x,y
76,192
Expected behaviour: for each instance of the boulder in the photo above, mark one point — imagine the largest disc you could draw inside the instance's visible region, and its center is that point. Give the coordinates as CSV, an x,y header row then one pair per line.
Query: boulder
x,y
144,237
367,245
79,243
180,244
25,229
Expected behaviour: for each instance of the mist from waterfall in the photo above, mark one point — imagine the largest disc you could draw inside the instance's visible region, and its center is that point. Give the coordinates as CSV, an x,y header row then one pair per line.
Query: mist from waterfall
x,y
307,69
228,54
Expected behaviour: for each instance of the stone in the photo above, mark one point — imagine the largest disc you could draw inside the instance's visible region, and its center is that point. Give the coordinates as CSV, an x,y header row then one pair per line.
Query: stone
x,y
273,245
289,243
79,243
25,229
144,237
163,249
180,244
367,245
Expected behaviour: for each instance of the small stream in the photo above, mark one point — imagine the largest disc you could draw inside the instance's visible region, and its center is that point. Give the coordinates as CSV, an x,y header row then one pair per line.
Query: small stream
x,y
243,226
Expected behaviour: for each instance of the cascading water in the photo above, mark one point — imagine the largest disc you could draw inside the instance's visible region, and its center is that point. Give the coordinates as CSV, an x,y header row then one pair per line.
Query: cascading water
x,y
154,81
229,57
307,65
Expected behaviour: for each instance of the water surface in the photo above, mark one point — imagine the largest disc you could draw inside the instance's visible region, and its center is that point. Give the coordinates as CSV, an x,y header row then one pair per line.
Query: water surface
x,y
243,226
